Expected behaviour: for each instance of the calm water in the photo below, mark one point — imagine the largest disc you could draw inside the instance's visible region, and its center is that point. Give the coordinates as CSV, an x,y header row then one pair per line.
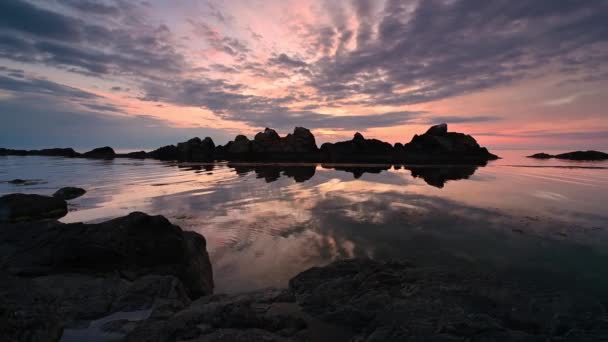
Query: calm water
x,y
543,222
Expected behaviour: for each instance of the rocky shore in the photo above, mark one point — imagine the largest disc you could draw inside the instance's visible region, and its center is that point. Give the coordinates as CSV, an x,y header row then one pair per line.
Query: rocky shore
x,y
576,155
437,145
141,278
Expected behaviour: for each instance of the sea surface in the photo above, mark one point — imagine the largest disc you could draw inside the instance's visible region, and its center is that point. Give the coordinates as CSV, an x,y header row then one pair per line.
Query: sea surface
x,y
542,222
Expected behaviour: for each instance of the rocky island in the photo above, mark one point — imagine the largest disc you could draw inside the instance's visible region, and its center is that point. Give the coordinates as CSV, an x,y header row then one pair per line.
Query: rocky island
x,y
576,155
437,145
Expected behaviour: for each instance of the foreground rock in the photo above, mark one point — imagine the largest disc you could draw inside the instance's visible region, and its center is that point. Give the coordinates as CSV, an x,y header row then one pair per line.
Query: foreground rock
x,y
366,300
69,192
28,207
55,276
577,155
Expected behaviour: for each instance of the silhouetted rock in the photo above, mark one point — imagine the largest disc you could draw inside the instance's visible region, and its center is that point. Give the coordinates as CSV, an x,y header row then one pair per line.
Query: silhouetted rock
x,y
136,155
50,152
28,207
541,156
17,181
576,155
168,152
358,150
195,150
438,145
69,192
438,176
269,146
100,153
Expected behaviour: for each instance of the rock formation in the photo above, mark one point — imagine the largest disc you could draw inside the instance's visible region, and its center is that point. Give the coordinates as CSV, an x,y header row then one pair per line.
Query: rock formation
x,y
576,155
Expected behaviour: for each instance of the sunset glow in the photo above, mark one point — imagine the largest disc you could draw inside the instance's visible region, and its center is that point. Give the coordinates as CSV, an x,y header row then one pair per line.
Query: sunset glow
x,y
140,74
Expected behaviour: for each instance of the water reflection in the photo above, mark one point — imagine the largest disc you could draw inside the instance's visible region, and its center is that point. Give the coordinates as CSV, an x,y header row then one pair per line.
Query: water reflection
x,y
434,175
264,223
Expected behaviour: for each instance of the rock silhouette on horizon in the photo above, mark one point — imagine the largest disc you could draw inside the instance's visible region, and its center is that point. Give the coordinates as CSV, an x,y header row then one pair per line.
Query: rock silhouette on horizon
x,y
576,155
436,145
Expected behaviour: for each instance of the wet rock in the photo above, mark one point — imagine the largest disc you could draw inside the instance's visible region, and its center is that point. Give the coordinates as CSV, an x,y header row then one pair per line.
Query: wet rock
x,y
69,192
29,207
576,155
134,245
100,153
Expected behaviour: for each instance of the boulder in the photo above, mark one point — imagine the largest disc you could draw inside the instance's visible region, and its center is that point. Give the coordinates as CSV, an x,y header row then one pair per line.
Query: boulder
x,y
196,149
29,207
541,156
438,145
101,153
240,146
69,192
168,152
133,245
358,150
267,142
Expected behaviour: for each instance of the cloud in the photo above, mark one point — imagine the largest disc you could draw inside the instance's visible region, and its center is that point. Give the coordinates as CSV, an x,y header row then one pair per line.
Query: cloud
x,y
33,34
438,49
43,87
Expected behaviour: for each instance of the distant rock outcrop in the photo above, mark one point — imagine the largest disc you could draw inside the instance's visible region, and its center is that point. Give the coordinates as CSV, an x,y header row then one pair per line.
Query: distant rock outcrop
x,y
269,146
357,150
576,155
438,145
105,152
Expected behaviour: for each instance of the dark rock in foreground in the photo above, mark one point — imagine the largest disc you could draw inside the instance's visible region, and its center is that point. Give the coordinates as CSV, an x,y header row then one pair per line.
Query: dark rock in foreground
x,y
100,153
55,276
27,207
69,192
577,155
367,300
133,245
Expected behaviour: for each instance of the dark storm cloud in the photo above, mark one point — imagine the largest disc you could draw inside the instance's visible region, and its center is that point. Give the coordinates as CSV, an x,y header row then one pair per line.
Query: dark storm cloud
x,y
41,86
446,48
22,16
92,7
37,35
227,102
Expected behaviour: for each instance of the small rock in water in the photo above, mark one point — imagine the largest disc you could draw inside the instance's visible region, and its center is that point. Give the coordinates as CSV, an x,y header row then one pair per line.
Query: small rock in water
x,y
27,207
69,192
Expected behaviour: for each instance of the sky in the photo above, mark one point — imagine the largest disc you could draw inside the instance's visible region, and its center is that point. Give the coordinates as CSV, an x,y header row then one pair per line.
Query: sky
x,y
141,74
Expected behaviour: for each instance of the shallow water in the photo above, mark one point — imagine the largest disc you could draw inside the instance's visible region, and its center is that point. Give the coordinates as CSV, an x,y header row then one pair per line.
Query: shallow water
x,y
542,222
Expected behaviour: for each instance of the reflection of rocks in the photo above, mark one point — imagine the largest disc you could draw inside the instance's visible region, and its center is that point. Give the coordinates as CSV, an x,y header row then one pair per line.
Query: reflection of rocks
x,y
26,207
272,172
357,170
438,176
69,192
577,155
